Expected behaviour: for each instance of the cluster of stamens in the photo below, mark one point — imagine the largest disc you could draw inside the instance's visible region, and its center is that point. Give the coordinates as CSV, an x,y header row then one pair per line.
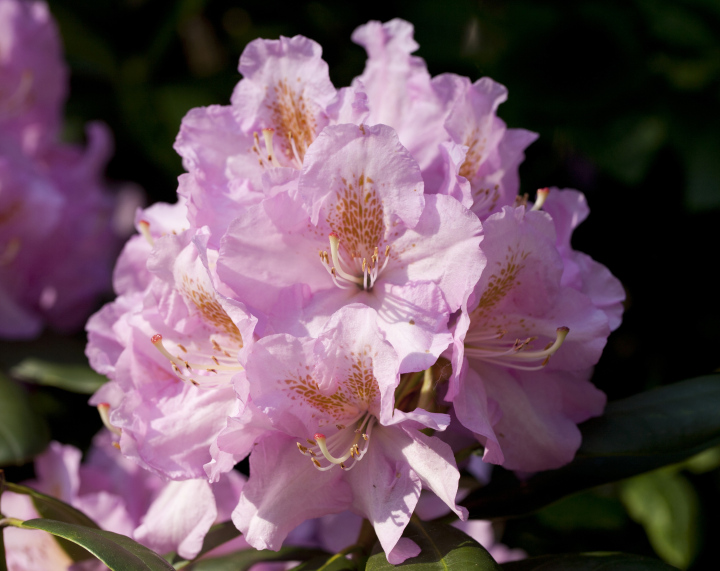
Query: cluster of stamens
x,y
222,361
337,267
320,447
268,158
492,348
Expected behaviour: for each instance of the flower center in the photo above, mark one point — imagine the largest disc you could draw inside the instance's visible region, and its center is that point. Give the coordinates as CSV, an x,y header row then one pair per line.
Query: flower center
x,y
358,270
342,448
492,348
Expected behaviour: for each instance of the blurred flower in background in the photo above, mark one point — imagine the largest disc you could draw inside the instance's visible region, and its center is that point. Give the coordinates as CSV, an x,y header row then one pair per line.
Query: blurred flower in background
x,y
57,239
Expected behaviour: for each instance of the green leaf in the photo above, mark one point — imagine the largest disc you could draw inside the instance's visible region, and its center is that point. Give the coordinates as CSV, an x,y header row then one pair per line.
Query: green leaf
x,y
118,552
243,560
54,509
336,562
637,434
23,434
588,562
216,536
666,505
75,378
442,547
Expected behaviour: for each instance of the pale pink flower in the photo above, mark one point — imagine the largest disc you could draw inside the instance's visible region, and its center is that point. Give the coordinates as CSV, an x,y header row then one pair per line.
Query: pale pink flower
x,y
448,124
276,112
336,442
56,236
358,229
120,497
530,344
169,344
33,76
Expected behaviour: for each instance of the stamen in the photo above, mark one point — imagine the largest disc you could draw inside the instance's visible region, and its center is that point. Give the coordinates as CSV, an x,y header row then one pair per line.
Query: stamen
x,y
540,199
294,150
493,352
145,231
104,410
268,136
334,251
181,366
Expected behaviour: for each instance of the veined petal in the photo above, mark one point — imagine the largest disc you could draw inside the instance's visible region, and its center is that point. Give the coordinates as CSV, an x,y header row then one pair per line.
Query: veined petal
x,y
359,181
284,490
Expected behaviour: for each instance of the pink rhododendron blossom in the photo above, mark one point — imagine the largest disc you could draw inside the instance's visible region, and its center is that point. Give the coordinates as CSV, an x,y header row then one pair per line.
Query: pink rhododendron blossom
x,y
337,442
120,497
357,230
33,76
56,236
169,344
277,111
530,345
448,124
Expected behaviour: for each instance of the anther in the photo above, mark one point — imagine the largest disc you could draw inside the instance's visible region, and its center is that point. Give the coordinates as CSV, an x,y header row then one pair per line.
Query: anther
x,y
314,461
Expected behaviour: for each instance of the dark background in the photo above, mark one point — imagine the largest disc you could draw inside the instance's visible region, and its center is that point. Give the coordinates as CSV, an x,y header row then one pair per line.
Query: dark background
x,y
624,95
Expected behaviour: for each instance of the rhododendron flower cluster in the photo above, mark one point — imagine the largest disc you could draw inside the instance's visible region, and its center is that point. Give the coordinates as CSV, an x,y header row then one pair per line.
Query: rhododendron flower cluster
x,y
56,236
347,271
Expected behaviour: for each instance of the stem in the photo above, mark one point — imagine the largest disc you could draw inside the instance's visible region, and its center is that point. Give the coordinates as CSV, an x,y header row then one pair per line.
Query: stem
x,y
366,537
10,521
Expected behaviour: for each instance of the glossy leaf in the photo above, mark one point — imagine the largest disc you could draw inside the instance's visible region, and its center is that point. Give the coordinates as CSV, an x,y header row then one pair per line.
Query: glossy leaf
x,y
243,560
23,434
118,552
635,435
333,563
666,505
76,378
588,562
54,509
442,547
217,535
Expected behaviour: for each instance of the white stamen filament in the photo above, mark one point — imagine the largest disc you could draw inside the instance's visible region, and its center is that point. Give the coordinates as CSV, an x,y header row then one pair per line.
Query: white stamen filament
x,y
322,447
145,231
540,199
268,136
369,270
488,348
294,150
104,410
183,368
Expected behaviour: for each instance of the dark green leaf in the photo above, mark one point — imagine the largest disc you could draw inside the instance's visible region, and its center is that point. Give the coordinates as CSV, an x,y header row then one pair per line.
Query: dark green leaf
x,y
76,378
118,552
635,435
218,534
666,505
588,562
443,548
23,434
243,560
324,563
54,509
